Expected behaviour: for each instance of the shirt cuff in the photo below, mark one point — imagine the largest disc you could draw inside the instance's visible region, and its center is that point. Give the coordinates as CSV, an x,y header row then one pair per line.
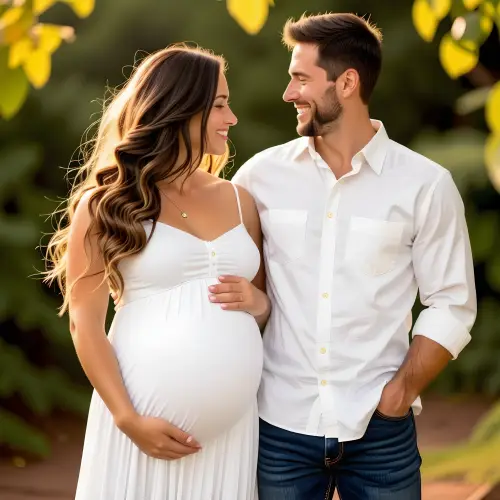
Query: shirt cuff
x,y
442,327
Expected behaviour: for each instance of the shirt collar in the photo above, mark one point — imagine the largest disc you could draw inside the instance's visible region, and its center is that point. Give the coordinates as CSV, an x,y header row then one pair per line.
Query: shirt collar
x,y
373,153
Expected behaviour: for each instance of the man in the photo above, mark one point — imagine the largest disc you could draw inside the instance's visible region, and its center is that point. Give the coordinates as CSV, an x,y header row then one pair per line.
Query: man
x,y
354,224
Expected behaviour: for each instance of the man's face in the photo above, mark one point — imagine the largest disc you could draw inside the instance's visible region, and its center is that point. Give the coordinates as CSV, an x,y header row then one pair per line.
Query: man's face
x,y
314,96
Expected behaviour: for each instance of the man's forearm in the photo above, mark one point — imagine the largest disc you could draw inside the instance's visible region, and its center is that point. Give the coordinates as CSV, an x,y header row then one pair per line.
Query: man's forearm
x,y
425,360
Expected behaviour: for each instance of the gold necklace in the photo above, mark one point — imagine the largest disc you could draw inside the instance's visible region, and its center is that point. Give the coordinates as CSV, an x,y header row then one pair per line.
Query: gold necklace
x,y
184,215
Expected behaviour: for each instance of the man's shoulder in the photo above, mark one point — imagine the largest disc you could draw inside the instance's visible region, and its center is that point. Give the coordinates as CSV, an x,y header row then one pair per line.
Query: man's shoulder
x,y
416,164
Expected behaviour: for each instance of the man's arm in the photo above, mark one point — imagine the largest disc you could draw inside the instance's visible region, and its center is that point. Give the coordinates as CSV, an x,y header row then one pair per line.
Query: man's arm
x,y
442,261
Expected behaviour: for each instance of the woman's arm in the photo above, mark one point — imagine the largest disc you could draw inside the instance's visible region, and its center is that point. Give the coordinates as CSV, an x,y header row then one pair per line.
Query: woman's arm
x,y
88,304
236,293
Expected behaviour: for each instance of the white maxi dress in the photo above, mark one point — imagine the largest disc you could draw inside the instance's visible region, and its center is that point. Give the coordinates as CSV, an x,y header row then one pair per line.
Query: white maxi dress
x,y
186,360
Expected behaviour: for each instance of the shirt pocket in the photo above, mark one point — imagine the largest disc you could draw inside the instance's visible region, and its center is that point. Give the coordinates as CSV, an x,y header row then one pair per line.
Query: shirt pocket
x,y
374,246
286,234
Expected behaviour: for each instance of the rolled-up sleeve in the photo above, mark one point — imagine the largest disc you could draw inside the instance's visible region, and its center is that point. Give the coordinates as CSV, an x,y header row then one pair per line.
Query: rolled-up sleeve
x,y
443,266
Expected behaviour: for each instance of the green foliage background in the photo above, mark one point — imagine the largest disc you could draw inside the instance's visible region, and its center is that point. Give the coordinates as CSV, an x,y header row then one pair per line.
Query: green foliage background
x,y
417,101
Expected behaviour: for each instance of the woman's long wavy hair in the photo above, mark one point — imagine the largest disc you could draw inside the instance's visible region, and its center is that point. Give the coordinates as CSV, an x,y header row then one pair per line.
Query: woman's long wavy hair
x,y
137,145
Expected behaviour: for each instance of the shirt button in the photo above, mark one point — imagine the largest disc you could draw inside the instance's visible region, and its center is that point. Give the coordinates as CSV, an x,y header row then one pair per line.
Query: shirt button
x,y
213,254
323,382
330,215
323,350
325,295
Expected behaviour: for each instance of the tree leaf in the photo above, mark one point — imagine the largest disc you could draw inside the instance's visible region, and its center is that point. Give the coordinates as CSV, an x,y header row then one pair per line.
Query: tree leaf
x,y
492,159
457,59
489,8
40,6
48,37
251,15
37,67
14,24
441,8
13,87
19,51
492,109
424,19
82,8
472,4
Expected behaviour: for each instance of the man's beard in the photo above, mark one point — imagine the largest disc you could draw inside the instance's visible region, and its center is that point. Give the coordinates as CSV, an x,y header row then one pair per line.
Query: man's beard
x,y
324,118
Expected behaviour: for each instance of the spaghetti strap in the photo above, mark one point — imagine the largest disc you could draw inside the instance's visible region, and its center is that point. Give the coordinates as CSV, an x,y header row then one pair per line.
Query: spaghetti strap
x,y
238,200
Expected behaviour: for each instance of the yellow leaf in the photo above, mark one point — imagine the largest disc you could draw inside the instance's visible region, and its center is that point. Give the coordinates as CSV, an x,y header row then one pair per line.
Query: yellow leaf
x,y
19,51
37,67
489,9
486,24
424,19
251,15
14,24
440,8
14,87
472,4
49,36
40,6
82,8
492,109
492,159
457,59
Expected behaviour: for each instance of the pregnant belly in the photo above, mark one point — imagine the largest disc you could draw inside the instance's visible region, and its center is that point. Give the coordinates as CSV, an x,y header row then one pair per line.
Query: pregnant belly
x,y
201,374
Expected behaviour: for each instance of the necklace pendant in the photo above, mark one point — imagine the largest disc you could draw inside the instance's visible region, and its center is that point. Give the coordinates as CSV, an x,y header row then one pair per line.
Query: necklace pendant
x,y
184,215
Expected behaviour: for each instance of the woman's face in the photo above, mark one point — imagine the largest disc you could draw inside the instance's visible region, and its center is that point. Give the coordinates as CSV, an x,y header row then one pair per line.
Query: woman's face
x,y
220,119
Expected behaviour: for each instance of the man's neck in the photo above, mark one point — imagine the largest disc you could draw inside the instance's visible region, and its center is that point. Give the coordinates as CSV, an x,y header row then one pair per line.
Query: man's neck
x,y
350,135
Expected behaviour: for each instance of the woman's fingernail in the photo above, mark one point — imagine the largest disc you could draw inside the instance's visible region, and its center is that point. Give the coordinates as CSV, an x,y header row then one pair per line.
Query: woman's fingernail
x,y
189,439
224,306
221,278
212,298
211,288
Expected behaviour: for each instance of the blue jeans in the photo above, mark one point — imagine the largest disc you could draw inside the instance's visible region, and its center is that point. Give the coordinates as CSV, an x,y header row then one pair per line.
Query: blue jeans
x,y
383,465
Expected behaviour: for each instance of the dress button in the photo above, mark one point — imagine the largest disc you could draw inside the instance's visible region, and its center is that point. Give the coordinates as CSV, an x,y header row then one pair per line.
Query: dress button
x,y
213,254
330,215
323,350
325,295
323,382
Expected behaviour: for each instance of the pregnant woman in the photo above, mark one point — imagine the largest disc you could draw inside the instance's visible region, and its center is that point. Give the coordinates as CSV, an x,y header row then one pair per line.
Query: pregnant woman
x,y
173,415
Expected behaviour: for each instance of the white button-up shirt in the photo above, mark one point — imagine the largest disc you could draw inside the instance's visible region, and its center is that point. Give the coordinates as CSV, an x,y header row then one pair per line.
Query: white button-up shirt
x,y
344,260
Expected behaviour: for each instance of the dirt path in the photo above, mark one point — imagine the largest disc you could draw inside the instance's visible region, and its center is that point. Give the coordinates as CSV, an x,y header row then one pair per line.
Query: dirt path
x,y
442,422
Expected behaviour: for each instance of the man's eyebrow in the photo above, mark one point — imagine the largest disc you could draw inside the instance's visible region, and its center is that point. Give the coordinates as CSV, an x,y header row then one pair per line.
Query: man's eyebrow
x,y
299,74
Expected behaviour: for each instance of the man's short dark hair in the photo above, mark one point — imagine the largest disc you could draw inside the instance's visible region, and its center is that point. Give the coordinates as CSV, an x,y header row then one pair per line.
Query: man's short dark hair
x,y
344,41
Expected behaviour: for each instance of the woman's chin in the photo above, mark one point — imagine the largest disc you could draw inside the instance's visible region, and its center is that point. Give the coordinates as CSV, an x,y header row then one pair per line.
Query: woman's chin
x,y
216,151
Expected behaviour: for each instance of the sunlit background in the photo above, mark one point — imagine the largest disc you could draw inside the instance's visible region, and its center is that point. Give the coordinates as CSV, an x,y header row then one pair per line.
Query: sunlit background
x,y
438,94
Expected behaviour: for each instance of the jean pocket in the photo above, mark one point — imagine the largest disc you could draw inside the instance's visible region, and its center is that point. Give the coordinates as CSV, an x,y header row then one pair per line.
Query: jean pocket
x,y
390,418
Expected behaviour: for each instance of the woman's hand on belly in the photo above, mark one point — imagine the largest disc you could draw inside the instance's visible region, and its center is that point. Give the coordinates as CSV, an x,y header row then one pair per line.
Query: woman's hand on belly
x,y
238,294
158,438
